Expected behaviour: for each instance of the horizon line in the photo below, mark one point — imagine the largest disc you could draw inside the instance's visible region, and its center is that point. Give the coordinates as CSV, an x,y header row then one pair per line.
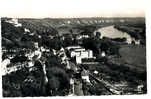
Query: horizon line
x,y
75,17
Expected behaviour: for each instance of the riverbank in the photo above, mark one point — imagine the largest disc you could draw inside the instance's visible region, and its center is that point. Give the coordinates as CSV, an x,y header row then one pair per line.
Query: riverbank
x,y
137,32
113,33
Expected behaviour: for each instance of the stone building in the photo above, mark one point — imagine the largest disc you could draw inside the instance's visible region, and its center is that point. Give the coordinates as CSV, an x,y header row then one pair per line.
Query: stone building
x,y
79,53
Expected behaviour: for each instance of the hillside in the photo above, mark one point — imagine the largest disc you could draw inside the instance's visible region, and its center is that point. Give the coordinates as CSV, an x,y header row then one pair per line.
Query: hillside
x,y
77,25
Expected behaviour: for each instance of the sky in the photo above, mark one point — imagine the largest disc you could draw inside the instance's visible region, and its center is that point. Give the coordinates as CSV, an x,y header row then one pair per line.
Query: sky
x,y
72,8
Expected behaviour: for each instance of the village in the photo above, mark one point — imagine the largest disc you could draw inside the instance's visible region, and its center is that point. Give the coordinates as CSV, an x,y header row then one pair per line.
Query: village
x,y
70,64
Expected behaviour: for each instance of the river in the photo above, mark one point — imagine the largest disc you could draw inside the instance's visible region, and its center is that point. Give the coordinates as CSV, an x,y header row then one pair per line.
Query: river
x,y
112,32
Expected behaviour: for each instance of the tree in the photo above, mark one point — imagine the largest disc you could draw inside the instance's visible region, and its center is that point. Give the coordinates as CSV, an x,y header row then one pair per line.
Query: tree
x,y
98,35
54,43
58,79
53,61
53,83
68,41
93,44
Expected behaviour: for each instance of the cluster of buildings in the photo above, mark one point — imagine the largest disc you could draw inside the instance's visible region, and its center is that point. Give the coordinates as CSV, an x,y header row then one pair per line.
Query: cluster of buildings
x,y
7,69
78,37
79,53
15,22
32,56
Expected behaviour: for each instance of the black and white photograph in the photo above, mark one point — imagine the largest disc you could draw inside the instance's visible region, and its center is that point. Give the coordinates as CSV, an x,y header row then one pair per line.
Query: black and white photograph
x,y
75,50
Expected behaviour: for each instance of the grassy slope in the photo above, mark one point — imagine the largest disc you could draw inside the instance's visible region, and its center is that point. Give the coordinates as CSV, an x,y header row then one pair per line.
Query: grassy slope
x,y
134,55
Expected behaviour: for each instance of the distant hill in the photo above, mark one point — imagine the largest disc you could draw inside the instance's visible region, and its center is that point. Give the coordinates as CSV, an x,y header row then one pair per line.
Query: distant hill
x,y
10,34
64,25
57,26
60,22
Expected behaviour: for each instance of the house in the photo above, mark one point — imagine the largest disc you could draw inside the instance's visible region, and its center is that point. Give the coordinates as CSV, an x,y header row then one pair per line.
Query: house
x,y
67,36
78,60
78,37
82,53
4,64
137,42
103,54
72,47
26,30
42,49
79,53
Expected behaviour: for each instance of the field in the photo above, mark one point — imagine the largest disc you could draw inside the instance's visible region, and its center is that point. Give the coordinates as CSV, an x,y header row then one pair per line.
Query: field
x,y
134,55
